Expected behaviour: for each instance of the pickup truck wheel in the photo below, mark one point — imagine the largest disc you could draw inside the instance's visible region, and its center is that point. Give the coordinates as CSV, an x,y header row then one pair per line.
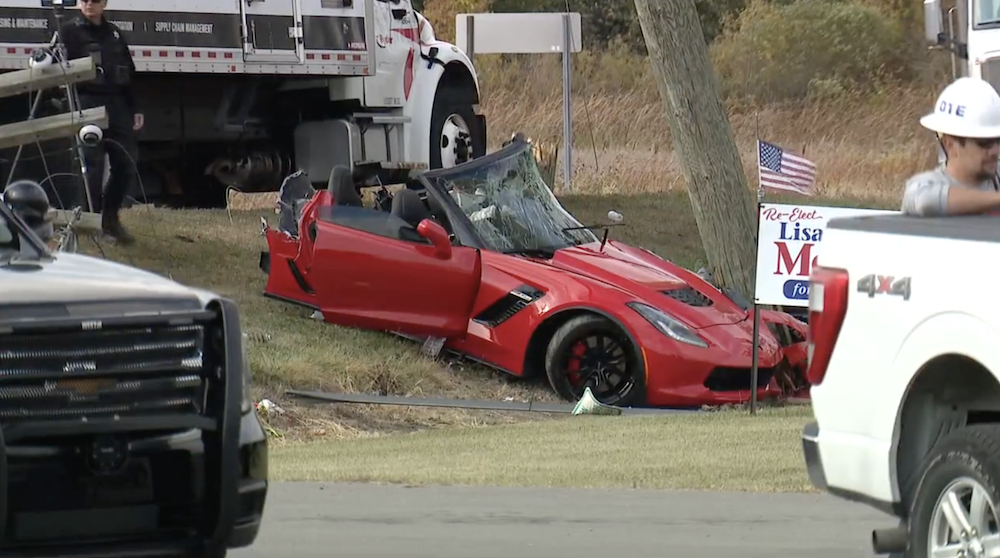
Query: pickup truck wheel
x,y
592,351
954,510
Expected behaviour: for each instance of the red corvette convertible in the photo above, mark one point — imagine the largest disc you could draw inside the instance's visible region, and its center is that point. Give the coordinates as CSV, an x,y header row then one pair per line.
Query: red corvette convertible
x,y
483,258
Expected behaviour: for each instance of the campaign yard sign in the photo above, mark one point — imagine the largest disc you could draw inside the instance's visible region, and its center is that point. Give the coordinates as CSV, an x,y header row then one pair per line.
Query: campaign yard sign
x,y
789,237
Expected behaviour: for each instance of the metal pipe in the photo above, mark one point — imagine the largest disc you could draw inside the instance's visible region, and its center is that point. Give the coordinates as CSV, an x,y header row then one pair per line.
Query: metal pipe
x,y
472,404
890,540
567,105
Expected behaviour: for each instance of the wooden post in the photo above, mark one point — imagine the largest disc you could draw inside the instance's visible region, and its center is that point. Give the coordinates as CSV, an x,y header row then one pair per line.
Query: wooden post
x,y
703,139
67,124
31,79
50,127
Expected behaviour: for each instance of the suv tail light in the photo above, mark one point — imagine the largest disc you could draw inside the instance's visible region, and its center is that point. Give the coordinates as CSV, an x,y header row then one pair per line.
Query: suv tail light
x,y
827,308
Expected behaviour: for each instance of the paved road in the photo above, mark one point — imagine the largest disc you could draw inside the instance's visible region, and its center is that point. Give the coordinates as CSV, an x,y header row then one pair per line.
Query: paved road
x,y
312,520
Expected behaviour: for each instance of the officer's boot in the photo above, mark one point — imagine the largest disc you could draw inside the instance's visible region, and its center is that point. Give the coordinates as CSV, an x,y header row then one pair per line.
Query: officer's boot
x,y
112,226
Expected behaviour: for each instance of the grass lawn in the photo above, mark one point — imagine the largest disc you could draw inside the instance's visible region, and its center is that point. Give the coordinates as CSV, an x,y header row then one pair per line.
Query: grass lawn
x,y
725,450
290,350
623,150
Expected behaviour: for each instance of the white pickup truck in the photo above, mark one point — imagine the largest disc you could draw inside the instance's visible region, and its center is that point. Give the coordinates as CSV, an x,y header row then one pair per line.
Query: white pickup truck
x,y
904,361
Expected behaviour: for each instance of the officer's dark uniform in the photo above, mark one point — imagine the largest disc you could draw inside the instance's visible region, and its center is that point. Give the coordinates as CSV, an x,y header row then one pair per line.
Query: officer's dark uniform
x,y
112,88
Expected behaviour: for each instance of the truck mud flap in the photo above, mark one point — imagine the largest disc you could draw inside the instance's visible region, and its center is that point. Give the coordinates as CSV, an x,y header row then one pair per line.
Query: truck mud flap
x,y
226,462
481,120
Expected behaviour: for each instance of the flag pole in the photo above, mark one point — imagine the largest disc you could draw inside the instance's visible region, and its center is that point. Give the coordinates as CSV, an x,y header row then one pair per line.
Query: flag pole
x,y
754,372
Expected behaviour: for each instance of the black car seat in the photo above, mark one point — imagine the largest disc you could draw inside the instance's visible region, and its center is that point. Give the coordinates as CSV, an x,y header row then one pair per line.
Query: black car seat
x,y
438,210
407,205
341,187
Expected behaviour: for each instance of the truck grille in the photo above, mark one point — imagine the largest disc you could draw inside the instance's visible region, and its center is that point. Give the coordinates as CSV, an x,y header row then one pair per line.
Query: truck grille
x,y
125,371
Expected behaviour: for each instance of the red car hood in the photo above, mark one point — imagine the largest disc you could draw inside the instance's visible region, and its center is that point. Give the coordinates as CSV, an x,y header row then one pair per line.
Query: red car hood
x,y
647,276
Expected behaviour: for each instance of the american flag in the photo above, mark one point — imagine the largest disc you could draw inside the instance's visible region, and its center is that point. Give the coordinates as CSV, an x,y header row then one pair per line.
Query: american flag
x,y
781,170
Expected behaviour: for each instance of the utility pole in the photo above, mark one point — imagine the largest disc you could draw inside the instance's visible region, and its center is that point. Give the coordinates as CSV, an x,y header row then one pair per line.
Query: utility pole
x,y
36,130
703,138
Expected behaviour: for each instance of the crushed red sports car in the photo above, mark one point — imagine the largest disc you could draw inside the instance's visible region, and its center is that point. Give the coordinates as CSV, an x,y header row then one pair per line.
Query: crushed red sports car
x,y
483,258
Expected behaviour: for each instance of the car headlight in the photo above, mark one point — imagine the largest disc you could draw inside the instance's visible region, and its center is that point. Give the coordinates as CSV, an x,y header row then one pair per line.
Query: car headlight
x,y
668,325
246,405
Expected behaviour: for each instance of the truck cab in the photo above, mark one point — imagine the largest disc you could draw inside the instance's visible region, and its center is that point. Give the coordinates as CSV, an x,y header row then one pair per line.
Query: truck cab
x,y
238,94
970,31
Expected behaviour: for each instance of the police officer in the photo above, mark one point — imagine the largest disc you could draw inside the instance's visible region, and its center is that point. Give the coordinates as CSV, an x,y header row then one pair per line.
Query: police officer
x,y
966,120
90,34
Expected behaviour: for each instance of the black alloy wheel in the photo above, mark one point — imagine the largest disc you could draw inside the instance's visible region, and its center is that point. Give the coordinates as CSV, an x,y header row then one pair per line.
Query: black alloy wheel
x,y
591,351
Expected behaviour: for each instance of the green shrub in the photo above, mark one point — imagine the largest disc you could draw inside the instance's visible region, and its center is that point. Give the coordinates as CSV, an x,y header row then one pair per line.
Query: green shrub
x,y
778,51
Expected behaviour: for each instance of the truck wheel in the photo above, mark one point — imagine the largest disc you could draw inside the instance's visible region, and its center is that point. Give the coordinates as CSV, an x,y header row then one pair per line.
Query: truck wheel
x,y
954,510
456,135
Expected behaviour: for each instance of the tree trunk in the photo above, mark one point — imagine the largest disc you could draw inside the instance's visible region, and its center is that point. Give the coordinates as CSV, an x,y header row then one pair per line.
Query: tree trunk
x,y
723,205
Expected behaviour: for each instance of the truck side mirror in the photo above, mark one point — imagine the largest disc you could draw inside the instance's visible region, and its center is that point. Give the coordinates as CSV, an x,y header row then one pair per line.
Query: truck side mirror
x,y
933,24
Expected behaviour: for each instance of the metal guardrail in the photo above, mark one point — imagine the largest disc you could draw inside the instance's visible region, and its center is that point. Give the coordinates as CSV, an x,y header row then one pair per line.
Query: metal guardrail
x,y
471,404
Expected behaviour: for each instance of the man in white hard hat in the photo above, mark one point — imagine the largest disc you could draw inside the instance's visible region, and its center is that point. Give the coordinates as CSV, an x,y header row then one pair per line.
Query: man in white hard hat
x,y
966,120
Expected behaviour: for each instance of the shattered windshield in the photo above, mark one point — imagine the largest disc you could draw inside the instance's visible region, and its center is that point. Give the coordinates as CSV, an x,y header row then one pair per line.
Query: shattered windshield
x,y
510,205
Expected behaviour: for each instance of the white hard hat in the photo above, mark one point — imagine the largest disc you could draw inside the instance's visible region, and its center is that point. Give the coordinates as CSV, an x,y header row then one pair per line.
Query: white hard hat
x,y
968,108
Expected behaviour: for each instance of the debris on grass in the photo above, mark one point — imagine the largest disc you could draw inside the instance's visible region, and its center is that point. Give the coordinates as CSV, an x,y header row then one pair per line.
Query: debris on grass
x,y
589,405
266,407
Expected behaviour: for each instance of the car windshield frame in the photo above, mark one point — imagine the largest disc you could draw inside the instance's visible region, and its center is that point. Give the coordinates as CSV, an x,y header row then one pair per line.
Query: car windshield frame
x,y
21,235
517,213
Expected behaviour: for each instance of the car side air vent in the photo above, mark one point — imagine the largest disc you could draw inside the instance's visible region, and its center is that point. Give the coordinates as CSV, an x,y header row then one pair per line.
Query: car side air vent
x,y
689,296
508,305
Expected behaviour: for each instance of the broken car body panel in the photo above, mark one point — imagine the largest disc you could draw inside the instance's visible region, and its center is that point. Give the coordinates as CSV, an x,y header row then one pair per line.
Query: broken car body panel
x,y
535,266
359,266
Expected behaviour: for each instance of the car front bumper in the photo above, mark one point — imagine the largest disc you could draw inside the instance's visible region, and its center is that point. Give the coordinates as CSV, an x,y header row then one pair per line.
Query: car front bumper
x,y
78,481
163,525
252,485
678,375
175,466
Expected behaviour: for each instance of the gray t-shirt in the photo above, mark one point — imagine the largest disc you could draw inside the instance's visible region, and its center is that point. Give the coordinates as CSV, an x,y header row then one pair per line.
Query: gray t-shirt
x,y
926,193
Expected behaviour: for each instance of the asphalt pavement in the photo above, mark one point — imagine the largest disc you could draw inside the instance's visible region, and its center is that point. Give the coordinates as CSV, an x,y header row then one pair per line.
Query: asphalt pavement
x,y
319,520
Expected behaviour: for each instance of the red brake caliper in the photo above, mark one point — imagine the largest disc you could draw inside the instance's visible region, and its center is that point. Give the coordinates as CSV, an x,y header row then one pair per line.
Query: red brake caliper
x,y
573,366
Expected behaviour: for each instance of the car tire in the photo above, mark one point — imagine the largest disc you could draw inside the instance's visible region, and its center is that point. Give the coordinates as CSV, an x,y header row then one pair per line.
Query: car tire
x,y
574,346
453,112
966,463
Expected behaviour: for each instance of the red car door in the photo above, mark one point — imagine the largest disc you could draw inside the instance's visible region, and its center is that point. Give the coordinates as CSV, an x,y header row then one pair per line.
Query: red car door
x,y
365,275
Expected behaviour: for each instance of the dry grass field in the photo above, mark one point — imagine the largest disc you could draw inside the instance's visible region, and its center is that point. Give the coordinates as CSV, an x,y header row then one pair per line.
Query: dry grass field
x,y
864,145
725,450
623,161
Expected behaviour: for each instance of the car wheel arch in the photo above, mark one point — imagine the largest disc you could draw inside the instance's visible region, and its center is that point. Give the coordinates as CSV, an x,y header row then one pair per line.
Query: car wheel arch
x,y
534,354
